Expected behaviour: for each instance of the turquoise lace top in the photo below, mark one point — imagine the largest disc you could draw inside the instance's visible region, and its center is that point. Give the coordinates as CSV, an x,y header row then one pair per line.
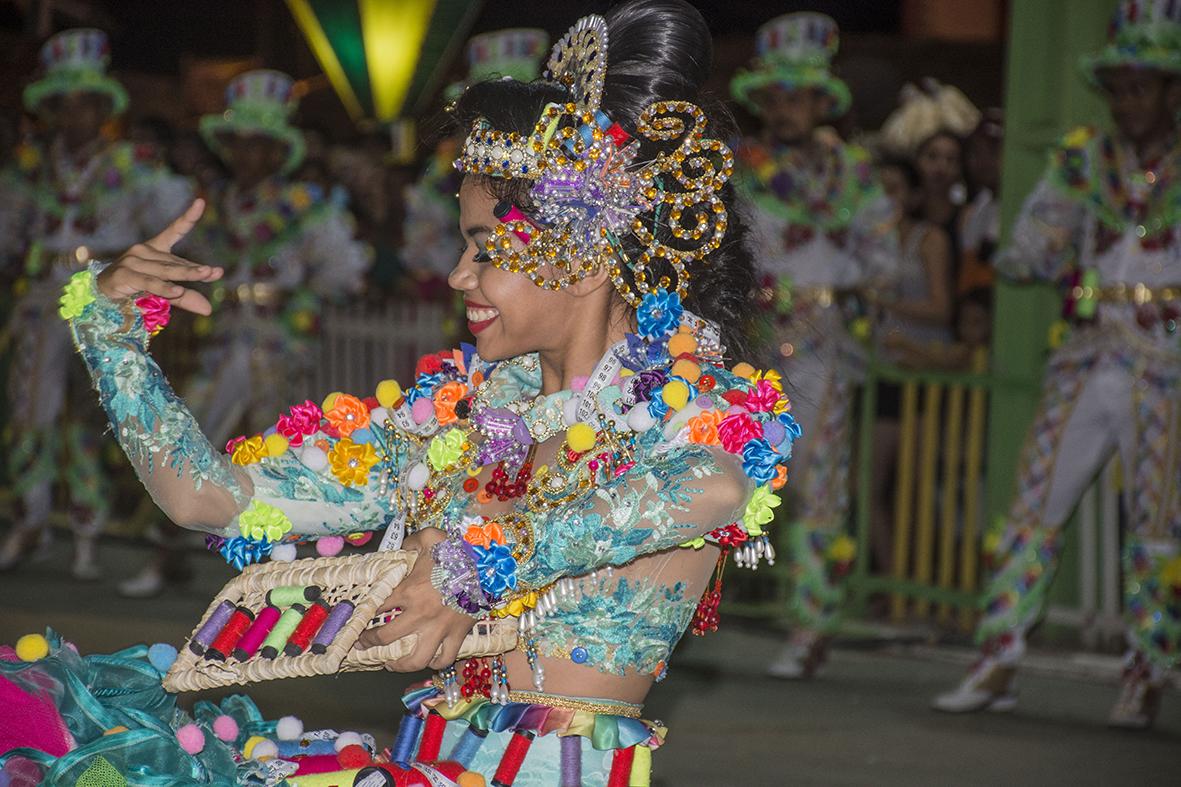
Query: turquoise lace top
x,y
363,465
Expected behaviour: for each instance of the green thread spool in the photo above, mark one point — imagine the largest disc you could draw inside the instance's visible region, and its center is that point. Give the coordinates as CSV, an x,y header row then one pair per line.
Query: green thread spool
x,y
286,595
282,631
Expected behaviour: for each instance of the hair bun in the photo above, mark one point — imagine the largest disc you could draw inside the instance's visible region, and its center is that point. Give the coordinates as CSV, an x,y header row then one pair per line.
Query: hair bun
x,y
657,50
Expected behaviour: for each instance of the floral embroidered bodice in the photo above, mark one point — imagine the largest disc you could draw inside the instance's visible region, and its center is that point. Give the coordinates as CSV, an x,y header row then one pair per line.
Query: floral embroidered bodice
x,y
681,443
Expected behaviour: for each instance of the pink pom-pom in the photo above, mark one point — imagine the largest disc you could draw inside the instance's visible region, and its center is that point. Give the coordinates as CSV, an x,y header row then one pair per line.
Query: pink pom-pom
x,y
191,738
329,546
422,410
579,383
225,728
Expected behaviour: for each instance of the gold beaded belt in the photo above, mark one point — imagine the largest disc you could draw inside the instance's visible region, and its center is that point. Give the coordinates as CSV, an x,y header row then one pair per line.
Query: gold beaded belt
x,y
587,705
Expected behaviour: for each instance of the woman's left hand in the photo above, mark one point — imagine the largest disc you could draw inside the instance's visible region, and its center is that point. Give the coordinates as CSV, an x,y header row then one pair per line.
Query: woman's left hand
x,y
439,629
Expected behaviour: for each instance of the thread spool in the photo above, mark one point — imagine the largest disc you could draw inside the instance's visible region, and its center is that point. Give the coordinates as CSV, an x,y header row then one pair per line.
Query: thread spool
x,y
286,595
339,616
432,737
468,745
211,628
621,767
230,635
513,757
262,625
282,630
309,624
505,212
402,752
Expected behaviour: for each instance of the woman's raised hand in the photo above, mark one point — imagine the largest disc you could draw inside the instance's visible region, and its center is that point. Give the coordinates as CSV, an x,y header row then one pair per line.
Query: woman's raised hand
x,y
151,267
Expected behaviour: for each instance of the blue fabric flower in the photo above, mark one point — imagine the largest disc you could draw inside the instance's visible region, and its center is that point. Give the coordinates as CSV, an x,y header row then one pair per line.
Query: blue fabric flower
x,y
659,314
759,460
656,406
496,568
240,552
791,426
424,386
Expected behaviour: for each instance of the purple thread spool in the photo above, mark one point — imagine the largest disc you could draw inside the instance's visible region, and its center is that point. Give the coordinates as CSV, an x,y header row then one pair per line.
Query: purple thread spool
x,y
213,626
248,645
571,762
339,616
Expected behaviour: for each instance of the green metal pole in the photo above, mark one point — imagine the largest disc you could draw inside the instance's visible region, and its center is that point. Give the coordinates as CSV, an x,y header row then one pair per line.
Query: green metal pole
x,y
1045,96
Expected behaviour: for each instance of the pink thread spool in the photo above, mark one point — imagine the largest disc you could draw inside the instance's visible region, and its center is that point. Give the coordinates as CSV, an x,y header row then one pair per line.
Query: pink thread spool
x,y
254,636
505,212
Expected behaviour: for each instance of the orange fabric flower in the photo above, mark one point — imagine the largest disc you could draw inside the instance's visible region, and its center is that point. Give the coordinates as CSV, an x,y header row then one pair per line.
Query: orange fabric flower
x,y
780,477
351,462
348,414
484,535
446,397
703,428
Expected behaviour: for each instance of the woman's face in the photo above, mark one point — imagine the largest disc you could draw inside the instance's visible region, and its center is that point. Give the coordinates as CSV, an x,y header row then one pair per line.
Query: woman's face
x,y
507,313
939,164
897,189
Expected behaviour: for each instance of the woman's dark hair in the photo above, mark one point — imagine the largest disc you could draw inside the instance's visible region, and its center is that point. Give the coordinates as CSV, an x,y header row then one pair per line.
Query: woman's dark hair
x,y
658,50
905,167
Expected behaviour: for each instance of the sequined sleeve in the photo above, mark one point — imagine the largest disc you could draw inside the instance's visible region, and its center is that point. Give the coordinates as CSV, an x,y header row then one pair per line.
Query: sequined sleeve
x,y
302,477
669,499
1046,238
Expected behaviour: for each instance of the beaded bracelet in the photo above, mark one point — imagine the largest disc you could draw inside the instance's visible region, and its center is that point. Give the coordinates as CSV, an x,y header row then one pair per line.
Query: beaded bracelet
x,y
454,576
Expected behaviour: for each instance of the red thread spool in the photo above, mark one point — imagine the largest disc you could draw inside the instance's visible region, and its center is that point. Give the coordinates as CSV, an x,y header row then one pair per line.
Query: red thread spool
x,y
618,135
621,767
514,755
308,626
432,737
228,637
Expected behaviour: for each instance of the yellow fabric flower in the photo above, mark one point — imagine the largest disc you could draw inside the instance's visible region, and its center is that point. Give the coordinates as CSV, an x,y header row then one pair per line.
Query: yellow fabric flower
x,y
760,510
351,462
263,520
445,449
771,376
842,549
76,295
249,451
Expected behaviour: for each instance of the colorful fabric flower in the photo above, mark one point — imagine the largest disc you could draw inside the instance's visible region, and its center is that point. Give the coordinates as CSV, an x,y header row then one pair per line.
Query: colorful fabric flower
x,y
446,449
759,460
351,462
234,442
249,451
703,429
263,521
427,365
302,421
485,534
240,552
156,312
738,429
446,397
760,510
76,295
496,568
791,426
348,414
638,353
771,376
763,397
659,314
643,383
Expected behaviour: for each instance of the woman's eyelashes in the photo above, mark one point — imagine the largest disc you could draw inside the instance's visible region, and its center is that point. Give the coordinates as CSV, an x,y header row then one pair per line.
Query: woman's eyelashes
x,y
482,256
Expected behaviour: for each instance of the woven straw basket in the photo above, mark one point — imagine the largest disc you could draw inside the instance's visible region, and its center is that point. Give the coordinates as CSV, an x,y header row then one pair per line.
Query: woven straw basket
x,y
365,580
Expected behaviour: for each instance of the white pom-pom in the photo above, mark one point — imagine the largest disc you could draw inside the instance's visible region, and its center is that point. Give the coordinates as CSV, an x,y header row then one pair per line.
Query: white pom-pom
x,y
348,739
314,458
639,419
418,476
264,750
289,728
283,553
570,410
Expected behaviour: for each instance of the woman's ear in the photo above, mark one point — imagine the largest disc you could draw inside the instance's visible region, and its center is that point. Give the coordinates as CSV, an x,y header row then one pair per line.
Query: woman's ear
x,y
590,283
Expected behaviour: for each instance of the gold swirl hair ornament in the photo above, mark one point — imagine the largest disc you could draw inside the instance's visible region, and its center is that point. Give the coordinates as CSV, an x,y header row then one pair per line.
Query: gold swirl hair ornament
x,y
590,192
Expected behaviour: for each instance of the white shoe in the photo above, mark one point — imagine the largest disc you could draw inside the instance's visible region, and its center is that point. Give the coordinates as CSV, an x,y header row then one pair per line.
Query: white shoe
x,y
85,567
990,686
25,545
1139,698
800,660
148,583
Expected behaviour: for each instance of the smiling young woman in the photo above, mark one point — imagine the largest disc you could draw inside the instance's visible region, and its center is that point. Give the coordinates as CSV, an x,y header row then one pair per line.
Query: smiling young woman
x,y
551,473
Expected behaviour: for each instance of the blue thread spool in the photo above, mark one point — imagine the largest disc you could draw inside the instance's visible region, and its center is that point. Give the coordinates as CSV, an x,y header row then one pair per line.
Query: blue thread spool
x,y
468,746
212,627
403,748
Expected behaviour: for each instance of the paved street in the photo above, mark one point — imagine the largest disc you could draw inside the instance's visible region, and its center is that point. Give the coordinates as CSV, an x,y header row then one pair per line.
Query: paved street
x,y
864,722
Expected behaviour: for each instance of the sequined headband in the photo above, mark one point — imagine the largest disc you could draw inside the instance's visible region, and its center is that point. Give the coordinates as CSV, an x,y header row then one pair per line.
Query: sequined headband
x,y
591,193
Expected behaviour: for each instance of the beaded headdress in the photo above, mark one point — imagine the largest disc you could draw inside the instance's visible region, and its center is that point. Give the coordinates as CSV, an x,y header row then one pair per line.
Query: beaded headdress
x,y
590,190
